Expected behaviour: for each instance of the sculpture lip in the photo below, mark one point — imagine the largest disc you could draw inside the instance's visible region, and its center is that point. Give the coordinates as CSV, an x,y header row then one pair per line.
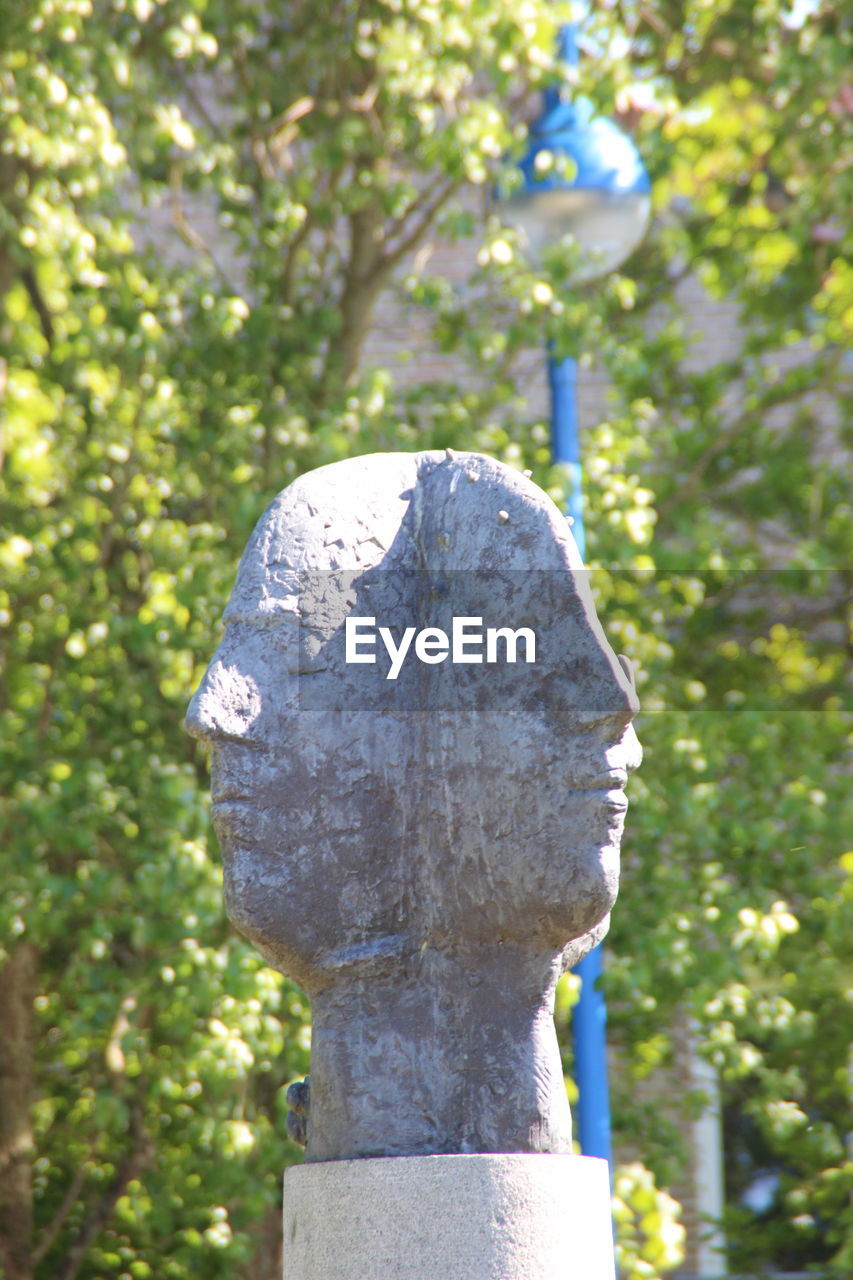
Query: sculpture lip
x,y
611,795
612,781
615,797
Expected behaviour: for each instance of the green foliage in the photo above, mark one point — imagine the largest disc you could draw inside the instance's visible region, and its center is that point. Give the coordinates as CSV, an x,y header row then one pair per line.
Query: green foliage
x,y
299,155
650,1239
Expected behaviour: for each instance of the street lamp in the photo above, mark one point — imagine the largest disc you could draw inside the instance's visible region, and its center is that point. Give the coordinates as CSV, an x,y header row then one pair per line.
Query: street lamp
x,y
584,177
603,201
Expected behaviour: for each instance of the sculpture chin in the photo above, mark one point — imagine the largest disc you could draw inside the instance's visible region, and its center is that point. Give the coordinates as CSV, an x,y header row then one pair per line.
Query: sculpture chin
x,y
260,905
580,947
571,897
294,930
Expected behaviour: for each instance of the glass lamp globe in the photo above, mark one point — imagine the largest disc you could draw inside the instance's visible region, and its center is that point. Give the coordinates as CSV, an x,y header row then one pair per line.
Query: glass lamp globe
x,y
605,205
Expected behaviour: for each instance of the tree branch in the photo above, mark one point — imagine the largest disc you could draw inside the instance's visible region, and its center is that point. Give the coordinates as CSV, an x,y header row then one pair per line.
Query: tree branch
x,y
140,1155
191,92
428,209
778,396
57,1222
31,284
289,269
182,225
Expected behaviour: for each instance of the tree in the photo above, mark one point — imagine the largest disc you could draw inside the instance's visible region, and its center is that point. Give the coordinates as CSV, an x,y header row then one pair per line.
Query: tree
x,y
303,152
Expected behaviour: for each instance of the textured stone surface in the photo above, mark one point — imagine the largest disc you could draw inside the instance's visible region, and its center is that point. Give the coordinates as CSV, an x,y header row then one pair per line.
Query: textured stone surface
x,y
424,856
476,1217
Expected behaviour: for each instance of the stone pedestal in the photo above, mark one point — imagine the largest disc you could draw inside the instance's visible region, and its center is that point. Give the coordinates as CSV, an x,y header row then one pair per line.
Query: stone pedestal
x,y
449,1217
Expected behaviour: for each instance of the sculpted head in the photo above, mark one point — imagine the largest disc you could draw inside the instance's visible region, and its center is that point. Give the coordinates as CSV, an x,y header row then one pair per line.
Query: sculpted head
x,y
368,824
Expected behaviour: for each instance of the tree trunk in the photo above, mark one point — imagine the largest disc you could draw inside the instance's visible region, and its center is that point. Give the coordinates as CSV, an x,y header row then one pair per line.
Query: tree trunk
x,y
17,992
365,277
266,1260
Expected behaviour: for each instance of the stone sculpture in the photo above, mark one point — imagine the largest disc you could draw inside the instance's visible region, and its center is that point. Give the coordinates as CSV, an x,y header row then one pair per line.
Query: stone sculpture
x,y
426,854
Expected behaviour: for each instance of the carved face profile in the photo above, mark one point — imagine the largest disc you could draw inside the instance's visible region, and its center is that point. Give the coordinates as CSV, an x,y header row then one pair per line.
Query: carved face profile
x,y
459,805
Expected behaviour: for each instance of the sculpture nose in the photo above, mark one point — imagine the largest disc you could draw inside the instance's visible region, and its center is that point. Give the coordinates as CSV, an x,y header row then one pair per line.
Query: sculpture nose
x,y
227,704
600,695
195,721
632,749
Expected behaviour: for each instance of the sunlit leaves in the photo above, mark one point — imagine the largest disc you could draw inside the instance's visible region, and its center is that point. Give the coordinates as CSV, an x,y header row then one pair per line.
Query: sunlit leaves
x,y
649,1237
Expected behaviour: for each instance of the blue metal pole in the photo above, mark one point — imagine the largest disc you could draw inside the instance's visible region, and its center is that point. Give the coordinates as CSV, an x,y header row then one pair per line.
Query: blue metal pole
x,y
589,1019
565,442
589,1034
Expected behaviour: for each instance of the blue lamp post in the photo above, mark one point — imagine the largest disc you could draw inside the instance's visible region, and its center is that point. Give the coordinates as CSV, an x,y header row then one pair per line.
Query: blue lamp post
x,y
602,198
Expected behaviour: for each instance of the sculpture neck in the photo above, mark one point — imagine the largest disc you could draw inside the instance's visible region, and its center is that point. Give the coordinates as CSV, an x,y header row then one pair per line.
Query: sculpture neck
x,y
476,1062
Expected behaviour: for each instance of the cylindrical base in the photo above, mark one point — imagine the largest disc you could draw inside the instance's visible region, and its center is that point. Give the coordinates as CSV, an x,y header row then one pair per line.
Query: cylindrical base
x,y
457,1217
